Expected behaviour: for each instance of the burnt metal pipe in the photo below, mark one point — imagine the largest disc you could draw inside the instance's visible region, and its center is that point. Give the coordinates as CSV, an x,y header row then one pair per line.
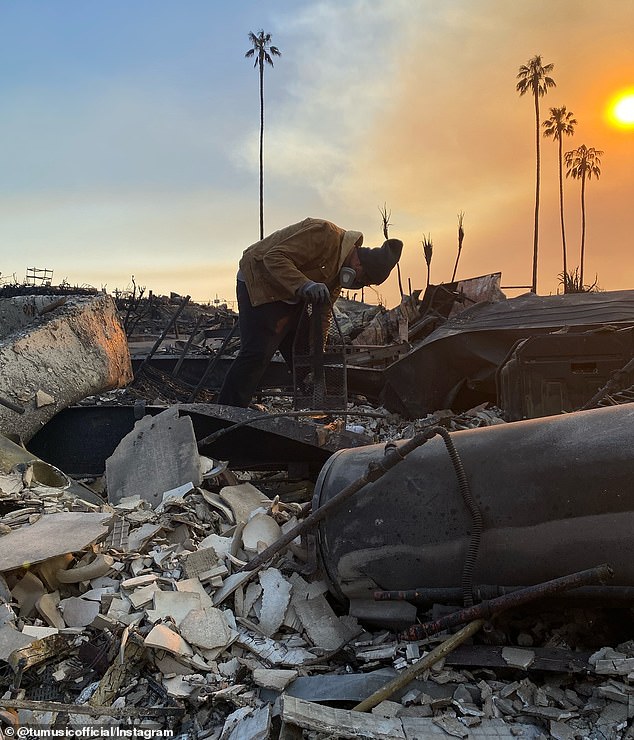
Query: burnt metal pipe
x,y
392,456
211,365
612,594
486,609
188,344
157,344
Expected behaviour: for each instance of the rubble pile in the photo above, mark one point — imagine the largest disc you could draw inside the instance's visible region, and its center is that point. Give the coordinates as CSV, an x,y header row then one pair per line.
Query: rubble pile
x,y
138,613
175,591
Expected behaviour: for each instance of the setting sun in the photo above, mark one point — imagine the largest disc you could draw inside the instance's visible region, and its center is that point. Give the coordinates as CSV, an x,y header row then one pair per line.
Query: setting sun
x,y
621,110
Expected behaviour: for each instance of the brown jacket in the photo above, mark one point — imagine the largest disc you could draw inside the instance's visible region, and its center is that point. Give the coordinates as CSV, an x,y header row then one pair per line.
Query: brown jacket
x,y
313,249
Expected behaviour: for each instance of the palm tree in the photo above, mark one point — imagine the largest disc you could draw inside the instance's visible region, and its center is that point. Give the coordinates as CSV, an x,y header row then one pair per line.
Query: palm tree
x,y
583,163
533,77
560,122
262,50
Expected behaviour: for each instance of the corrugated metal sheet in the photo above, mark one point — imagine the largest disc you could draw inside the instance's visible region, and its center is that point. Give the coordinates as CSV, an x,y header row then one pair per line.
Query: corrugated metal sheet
x,y
553,311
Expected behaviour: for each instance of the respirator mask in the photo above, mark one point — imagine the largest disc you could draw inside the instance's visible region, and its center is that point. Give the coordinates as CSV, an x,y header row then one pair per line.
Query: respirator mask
x,y
347,277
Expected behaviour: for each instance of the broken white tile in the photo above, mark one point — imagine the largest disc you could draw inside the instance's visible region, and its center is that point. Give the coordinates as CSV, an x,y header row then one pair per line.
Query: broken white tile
x,y
271,651
11,483
229,668
119,608
180,687
220,544
7,615
260,532
387,708
614,666
174,494
48,608
33,630
139,537
205,628
251,595
10,640
518,657
144,580
96,594
142,596
104,622
27,592
605,653
276,594
174,604
51,535
248,723
194,585
140,566
129,503
161,636
131,618
243,499
303,589
165,554
78,612
105,582
321,624
291,620
168,665
230,585
274,678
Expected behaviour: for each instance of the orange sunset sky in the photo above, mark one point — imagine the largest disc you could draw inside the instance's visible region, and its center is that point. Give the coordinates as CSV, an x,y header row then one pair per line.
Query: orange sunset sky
x,y
130,135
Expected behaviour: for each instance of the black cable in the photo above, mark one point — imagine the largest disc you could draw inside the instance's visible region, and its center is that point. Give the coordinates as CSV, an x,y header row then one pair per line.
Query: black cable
x,y
476,516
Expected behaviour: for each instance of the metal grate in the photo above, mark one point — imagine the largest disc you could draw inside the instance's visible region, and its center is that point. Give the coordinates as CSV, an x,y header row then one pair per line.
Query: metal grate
x,y
319,365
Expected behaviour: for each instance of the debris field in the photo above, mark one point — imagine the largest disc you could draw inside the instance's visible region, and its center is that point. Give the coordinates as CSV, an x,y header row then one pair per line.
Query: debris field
x,y
164,586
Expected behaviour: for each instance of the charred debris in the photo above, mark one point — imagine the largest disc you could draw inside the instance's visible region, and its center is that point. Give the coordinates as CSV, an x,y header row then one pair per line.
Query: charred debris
x,y
422,531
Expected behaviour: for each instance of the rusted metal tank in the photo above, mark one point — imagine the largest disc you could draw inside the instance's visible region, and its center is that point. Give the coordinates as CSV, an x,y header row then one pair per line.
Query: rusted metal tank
x,y
556,496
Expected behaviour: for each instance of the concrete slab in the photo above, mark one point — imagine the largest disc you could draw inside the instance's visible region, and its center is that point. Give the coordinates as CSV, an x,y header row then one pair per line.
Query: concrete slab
x,y
158,455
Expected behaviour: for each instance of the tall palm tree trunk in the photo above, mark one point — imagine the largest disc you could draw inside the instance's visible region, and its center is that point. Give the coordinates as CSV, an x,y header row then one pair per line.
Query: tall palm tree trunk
x,y
561,212
261,150
583,229
536,226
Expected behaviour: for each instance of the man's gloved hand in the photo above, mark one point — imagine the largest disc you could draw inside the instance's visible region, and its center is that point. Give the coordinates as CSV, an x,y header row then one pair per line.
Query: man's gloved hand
x,y
314,292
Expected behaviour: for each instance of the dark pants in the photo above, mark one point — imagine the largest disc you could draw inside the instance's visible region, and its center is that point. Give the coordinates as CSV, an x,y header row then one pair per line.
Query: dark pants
x,y
263,330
